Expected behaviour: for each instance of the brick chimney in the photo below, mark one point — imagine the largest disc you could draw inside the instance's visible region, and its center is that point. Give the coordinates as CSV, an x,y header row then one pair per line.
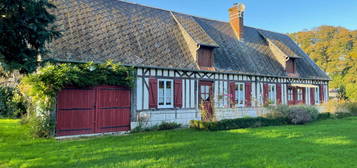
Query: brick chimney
x,y
236,19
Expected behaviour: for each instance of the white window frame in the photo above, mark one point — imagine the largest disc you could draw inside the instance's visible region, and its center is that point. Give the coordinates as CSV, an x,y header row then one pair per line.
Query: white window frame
x,y
165,97
272,95
299,94
317,95
239,97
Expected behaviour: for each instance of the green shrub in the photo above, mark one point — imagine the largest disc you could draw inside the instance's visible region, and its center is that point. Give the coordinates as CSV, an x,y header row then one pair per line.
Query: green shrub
x,y
39,125
296,114
277,111
352,108
324,116
302,114
237,123
160,127
339,115
12,104
168,126
144,129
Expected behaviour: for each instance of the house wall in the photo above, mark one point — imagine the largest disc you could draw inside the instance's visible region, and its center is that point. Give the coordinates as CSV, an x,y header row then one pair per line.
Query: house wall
x,y
190,89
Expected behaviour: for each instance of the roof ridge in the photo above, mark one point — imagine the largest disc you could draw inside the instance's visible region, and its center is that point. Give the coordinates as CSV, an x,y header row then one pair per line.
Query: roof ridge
x,y
259,29
134,3
199,17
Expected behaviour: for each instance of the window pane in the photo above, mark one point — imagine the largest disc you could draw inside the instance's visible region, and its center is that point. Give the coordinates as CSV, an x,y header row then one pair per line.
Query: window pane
x,y
204,96
161,84
161,100
161,94
168,95
202,89
240,94
272,93
168,84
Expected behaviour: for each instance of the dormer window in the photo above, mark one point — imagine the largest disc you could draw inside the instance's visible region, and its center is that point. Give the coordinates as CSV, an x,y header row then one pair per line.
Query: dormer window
x,y
205,57
290,66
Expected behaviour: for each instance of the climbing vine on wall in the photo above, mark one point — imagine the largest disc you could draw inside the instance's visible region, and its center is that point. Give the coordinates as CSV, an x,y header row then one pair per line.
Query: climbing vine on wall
x,y
41,88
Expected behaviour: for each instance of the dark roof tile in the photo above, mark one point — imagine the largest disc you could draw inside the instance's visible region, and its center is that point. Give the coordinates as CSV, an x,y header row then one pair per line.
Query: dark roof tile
x,y
98,30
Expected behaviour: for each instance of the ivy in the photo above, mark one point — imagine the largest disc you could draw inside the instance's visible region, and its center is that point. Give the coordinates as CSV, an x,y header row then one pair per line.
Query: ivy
x,y
41,88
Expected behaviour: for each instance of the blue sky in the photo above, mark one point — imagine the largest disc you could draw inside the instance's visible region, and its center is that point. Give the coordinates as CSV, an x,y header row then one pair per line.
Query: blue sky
x,y
283,16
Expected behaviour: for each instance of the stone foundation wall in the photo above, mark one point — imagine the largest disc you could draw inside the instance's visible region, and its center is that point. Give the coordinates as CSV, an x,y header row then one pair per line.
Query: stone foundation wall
x,y
232,113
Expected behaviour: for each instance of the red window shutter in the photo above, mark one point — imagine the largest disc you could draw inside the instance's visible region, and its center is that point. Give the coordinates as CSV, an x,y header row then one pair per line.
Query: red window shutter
x,y
266,92
278,93
312,96
303,95
153,93
178,93
321,93
248,92
232,92
295,95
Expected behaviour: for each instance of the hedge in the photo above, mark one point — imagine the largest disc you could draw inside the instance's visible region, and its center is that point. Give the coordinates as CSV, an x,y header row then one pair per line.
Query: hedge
x,y
238,123
323,116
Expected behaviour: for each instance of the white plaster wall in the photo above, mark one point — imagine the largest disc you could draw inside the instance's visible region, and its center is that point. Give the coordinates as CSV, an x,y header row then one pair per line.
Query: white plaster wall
x,y
139,94
307,96
253,94
146,94
182,116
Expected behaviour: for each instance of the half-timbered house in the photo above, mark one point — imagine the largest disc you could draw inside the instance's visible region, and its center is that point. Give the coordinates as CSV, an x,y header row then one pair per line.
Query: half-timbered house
x,y
186,63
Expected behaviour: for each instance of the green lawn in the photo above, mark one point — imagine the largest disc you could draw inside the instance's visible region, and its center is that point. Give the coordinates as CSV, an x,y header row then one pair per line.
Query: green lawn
x,y
329,143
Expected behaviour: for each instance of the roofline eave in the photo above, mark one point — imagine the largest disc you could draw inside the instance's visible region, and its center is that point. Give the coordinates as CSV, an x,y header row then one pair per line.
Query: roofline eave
x,y
192,70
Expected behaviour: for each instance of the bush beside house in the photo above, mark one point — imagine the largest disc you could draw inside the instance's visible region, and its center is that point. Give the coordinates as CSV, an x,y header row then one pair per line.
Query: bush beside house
x,y
295,114
160,127
279,115
12,104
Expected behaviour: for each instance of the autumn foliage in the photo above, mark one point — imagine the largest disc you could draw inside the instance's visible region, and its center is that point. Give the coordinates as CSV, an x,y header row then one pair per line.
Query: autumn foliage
x,y
334,49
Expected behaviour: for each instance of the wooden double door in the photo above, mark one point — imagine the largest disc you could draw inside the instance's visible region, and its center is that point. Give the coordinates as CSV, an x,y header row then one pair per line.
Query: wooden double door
x,y
93,110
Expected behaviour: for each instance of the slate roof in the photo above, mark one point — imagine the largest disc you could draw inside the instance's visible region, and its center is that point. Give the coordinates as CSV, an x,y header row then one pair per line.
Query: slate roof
x,y
98,30
194,30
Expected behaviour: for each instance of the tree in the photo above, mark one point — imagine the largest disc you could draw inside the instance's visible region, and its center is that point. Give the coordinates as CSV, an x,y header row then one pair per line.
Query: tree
x,y
25,27
334,49
341,93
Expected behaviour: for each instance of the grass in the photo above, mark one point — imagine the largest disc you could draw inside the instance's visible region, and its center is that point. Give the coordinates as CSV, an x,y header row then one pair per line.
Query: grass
x,y
329,143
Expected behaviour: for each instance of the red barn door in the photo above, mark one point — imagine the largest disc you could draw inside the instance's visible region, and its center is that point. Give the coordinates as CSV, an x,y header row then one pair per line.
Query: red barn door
x,y
75,111
113,109
93,110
